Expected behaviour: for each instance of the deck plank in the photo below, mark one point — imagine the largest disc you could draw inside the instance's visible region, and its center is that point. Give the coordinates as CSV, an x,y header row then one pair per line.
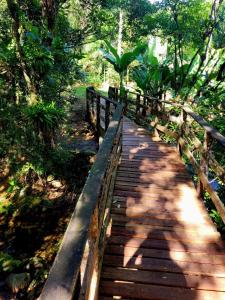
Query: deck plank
x,y
162,245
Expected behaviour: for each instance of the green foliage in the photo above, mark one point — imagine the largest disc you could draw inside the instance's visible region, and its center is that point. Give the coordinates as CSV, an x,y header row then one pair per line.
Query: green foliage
x,y
8,263
217,219
122,62
151,76
47,116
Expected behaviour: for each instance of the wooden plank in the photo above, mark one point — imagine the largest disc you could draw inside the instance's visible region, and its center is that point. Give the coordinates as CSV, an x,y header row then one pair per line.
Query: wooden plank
x,y
121,219
154,206
160,215
166,185
151,161
158,180
164,279
201,229
170,195
162,174
213,248
153,292
202,258
154,167
164,265
163,234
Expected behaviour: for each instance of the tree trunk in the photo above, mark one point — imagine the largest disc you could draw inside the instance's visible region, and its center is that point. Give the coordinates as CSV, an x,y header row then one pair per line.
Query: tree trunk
x,y
120,33
49,11
31,88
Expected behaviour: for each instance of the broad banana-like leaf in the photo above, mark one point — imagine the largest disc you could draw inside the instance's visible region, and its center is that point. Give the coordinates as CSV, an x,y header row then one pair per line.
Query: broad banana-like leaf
x,y
142,78
125,60
112,50
109,57
149,57
129,57
121,63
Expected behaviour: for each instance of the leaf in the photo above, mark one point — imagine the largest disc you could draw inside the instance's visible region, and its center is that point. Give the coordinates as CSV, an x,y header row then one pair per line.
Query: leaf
x,y
111,59
112,50
126,60
140,49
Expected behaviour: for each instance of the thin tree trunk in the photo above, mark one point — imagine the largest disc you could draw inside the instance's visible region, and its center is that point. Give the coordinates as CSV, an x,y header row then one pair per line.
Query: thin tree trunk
x,y
120,33
32,91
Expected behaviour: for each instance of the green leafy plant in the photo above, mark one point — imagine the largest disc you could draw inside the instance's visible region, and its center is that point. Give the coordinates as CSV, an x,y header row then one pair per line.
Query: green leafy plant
x,y
46,118
217,219
151,76
121,63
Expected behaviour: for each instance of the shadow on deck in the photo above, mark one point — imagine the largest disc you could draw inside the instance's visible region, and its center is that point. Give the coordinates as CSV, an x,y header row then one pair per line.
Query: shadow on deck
x,y
163,245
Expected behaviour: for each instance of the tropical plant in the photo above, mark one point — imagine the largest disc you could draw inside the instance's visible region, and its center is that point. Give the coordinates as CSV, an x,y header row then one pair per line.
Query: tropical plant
x,y
151,76
121,63
46,118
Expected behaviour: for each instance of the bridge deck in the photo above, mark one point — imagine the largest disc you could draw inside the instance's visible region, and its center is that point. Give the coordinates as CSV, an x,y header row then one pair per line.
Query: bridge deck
x,y
163,245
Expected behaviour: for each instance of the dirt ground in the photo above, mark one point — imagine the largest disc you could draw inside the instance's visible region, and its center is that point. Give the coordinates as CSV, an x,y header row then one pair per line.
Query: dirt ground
x,y
31,235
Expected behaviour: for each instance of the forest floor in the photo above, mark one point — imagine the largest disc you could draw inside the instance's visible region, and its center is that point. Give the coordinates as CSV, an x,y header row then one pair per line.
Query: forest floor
x,y
32,223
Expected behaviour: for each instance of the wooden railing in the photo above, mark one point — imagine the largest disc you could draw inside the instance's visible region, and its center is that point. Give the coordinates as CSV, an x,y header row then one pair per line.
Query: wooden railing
x,y
196,140
99,110
76,269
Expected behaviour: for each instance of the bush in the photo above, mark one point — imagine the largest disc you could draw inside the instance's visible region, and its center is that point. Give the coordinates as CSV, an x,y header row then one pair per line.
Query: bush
x,y
46,118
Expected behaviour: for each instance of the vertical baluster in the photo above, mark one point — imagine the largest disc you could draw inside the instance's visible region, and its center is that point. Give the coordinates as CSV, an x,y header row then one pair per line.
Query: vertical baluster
x,y
110,93
204,162
144,107
183,124
98,113
125,101
156,120
87,116
138,101
92,107
107,114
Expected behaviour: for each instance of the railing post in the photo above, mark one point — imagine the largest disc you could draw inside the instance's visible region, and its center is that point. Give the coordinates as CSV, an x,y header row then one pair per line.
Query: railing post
x,y
110,92
204,162
98,113
89,104
183,120
87,115
138,101
107,114
113,93
144,107
125,101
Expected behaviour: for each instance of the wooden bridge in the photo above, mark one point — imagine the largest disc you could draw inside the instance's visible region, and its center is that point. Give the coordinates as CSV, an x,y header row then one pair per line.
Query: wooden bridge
x,y
140,229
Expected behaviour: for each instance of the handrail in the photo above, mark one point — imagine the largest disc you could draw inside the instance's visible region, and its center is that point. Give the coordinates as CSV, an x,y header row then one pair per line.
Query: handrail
x,y
208,128
91,90
77,261
198,151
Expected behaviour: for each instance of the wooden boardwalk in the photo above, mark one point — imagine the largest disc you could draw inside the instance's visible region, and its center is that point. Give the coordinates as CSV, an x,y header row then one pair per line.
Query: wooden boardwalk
x,y
163,245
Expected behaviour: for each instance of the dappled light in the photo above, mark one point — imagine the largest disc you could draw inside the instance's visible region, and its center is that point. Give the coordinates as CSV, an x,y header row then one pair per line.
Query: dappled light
x,y
163,244
112,139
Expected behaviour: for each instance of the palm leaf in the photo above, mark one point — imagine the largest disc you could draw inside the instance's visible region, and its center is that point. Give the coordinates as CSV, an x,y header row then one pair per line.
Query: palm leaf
x,y
125,60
